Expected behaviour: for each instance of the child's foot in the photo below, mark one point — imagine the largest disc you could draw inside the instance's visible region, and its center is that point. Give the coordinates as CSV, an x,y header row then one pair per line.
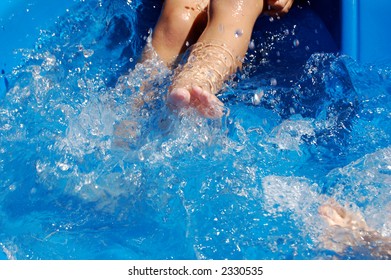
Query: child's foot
x,y
336,215
206,104
209,65
348,229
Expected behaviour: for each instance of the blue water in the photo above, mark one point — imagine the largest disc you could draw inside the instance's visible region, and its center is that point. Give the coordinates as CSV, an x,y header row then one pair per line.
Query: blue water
x,y
88,174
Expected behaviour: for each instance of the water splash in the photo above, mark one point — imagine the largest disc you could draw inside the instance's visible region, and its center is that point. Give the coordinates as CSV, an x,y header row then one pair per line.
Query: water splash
x,y
100,168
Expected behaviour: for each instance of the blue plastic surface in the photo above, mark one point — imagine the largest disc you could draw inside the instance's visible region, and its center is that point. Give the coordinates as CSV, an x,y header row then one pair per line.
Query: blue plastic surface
x,y
360,28
349,28
365,33
374,38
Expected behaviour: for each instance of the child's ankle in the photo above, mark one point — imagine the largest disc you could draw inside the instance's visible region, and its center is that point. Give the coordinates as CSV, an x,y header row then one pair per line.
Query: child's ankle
x,y
209,65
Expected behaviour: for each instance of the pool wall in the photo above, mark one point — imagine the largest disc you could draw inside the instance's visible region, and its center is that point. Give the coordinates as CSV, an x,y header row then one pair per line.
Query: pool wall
x,y
359,27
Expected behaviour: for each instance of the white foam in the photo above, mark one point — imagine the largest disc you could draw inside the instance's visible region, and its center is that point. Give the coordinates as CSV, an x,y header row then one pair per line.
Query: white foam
x,y
288,135
297,196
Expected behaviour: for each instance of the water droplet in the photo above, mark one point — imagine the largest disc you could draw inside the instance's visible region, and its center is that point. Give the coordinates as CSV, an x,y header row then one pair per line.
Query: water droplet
x,y
40,167
257,97
81,83
238,33
50,61
256,100
63,166
88,53
251,45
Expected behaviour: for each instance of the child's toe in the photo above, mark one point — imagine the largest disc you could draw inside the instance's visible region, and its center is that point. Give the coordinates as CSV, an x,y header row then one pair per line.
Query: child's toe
x,y
179,97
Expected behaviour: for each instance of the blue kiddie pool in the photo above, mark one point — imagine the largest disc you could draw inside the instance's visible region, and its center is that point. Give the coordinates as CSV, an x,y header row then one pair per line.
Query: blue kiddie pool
x,y
93,166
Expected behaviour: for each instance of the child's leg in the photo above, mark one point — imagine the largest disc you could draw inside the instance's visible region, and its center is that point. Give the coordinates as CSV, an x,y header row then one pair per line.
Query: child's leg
x,y
180,24
217,54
